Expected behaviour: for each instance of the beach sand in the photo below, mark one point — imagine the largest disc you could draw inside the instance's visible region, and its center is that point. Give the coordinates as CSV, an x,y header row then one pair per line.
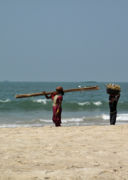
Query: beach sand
x,y
64,153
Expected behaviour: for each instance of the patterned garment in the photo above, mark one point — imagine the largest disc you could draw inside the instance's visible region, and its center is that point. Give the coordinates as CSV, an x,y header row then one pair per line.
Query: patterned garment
x,y
57,109
113,100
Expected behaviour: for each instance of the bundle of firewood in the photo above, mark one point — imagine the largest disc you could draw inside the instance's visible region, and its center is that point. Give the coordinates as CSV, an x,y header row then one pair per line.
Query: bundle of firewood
x,y
113,88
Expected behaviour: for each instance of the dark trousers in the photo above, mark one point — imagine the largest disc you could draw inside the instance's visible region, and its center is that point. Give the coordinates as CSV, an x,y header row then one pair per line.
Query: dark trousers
x,y
113,117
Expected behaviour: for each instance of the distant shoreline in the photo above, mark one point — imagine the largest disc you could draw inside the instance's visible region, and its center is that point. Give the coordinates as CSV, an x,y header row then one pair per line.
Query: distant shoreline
x,y
22,81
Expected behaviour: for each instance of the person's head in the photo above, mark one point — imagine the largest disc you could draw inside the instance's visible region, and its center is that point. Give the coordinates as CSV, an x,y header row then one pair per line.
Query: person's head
x,y
59,90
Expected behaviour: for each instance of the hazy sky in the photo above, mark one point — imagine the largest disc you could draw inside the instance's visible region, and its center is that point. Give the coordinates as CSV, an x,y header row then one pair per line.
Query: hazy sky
x,y
64,40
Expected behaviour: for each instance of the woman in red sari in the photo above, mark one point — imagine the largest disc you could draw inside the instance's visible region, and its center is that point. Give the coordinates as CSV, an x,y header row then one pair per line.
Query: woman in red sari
x,y
57,99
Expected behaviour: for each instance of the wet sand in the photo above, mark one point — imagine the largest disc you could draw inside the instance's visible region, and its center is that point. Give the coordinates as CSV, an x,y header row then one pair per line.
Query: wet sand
x,y
64,153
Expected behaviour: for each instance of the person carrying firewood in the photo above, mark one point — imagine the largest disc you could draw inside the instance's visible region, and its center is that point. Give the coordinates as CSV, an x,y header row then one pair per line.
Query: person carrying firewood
x,y
114,95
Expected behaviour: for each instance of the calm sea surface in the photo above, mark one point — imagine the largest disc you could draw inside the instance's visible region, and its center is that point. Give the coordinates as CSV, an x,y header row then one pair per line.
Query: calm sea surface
x,y
79,108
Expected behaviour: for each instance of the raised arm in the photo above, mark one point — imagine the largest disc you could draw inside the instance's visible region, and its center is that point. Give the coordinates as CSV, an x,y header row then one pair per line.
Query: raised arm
x,y
47,96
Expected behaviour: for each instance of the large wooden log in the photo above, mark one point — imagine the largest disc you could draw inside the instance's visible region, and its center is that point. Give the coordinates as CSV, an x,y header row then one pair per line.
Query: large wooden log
x,y
65,91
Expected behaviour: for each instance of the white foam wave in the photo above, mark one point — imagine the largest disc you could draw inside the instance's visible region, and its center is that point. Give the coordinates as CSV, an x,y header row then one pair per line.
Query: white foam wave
x,y
79,86
5,101
72,120
45,120
122,117
98,103
64,120
19,125
44,101
84,103
105,117
9,125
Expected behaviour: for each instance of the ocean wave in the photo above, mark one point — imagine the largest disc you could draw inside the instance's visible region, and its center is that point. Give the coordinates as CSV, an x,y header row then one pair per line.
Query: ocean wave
x,y
67,120
19,125
68,106
84,103
105,116
74,120
98,103
5,101
79,121
44,101
120,117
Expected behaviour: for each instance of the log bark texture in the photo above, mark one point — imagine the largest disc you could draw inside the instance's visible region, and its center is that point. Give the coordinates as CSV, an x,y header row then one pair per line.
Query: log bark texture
x,y
65,91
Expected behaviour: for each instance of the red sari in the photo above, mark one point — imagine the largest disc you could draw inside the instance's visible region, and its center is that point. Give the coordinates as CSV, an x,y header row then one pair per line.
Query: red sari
x,y
57,109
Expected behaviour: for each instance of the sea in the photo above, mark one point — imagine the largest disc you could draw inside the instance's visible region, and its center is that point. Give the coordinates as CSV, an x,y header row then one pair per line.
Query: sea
x,y
84,108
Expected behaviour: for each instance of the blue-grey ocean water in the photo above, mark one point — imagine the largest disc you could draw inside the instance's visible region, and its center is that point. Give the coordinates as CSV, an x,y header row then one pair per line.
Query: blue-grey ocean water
x,y
79,108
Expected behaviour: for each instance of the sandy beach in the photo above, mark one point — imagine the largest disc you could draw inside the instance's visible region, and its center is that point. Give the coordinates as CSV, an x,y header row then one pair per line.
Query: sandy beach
x,y
64,153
